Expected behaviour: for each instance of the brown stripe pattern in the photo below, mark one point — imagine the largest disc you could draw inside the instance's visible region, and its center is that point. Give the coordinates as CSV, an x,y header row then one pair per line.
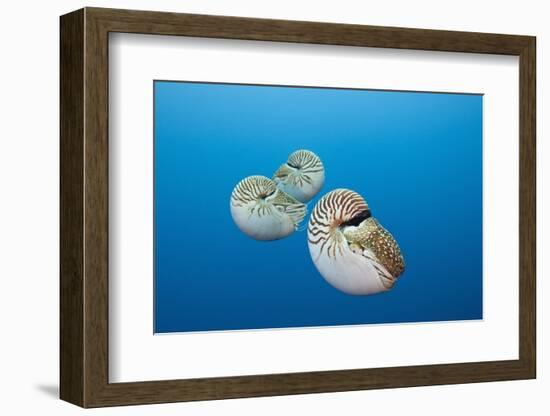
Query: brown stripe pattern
x,y
331,211
251,189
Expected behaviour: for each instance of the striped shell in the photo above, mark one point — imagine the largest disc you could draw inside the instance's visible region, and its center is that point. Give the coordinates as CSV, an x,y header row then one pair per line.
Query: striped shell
x,y
264,212
349,248
301,176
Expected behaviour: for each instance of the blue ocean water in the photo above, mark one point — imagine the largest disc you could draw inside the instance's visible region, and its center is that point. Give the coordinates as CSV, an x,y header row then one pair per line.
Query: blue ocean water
x,y
415,157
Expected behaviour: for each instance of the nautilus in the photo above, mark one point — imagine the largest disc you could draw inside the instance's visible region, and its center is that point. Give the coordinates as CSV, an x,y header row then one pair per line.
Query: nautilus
x,y
349,248
301,176
264,212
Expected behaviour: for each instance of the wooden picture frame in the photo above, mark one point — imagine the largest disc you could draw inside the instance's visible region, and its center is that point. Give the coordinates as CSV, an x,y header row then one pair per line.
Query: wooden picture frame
x,y
84,207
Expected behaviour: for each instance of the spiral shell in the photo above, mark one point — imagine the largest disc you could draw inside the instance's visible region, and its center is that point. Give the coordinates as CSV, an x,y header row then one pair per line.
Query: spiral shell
x,y
301,176
349,248
264,212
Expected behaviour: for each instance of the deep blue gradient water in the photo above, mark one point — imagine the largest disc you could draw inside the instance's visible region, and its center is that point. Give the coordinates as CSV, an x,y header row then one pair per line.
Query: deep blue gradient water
x,y
415,157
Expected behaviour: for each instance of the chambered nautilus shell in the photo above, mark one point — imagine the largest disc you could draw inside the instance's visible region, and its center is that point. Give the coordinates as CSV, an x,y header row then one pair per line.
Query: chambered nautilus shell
x,y
301,176
263,211
351,250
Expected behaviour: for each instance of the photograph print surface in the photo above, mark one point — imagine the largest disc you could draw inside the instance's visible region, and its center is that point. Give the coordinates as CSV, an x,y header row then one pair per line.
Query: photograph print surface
x,y
291,207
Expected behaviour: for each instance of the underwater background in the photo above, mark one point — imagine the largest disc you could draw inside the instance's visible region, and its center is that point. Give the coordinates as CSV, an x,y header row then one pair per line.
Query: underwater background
x,y
415,157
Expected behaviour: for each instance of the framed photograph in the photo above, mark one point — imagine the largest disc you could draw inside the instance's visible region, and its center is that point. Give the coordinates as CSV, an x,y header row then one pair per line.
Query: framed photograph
x,y
255,207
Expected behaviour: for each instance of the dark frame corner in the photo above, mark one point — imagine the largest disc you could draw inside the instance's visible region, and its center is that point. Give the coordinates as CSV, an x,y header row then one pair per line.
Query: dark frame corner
x,y
84,207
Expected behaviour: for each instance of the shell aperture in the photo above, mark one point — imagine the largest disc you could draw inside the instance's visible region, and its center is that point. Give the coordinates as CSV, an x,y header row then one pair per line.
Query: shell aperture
x,y
264,212
301,176
349,248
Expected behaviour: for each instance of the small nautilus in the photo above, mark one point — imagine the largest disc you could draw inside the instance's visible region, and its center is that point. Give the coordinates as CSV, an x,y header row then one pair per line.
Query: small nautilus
x,y
263,211
350,249
301,176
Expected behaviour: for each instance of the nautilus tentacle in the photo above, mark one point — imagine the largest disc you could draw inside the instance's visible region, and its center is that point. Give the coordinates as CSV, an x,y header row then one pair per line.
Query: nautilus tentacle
x,y
350,249
264,212
301,176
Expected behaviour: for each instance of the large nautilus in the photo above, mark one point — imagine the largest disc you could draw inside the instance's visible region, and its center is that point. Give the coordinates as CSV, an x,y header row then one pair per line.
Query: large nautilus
x,y
301,176
263,211
350,249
